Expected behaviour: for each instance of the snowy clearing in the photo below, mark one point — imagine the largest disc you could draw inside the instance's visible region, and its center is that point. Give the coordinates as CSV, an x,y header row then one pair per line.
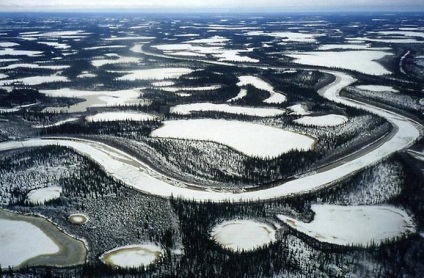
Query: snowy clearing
x,y
186,109
354,225
155,74
377,88
298,109
78,218
14,52
190,89
120,60
243,235
20,241
262,85
361,61
133,256
250,139
34,66
120,116
94,99
326,120
242,94
43,195
287,36
37,80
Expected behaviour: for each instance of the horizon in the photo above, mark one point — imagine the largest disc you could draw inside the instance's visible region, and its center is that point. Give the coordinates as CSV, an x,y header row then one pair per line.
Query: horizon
x,y
205,6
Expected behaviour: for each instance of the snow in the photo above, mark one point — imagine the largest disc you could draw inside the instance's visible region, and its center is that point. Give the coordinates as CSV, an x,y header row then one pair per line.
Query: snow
x,y
151,182
177,89
120,116
350,47
94,98
212,40
354,225
250,139
56,45
243,235
388,40
325,120
132,256
13,52
234,56
275,97
119,60
34,66
186,109
129,38
37,80
104,47
377,88
43,195
163,83
298,109
78,218
20,241
361,61
3,76
242,94
8,44
155,74
59,123
287,36
86,74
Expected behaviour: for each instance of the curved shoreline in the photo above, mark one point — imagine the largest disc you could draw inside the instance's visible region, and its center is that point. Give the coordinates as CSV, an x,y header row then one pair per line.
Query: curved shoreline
x,y
72,251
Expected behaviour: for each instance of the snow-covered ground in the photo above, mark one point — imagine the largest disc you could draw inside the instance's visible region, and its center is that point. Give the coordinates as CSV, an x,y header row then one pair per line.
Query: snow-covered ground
x,y
325,120
250,139
186,109
116,60
377,88
155,74
133,256
298,109
14,52
361,61
247,235
78,218
20,241
59,123
42,195
36,80
242,94
287,36
94,98
354,225
189,89
120,116
262,85
34,66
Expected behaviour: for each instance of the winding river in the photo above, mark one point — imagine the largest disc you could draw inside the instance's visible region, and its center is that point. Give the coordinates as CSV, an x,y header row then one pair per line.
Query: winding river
x,y
136,174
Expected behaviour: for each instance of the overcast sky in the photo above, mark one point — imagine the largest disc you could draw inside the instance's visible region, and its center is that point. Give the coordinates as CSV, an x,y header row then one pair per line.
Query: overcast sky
x,y
211,5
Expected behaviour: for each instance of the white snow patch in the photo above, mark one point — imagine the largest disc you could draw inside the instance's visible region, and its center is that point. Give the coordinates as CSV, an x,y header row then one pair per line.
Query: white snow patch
x,y
361,61
14,52
8,44
377,88
155,74
43,195
129,38
298,109
243,235
163,83
325,120
287,36
186,109
59,123
34,66
120,116
37,80
250,139
275,97
20,241
133,256
190,89
240,95
354,225
119,60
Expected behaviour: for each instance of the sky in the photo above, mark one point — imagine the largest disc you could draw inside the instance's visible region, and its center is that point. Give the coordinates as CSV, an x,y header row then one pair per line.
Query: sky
x,y
212,5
